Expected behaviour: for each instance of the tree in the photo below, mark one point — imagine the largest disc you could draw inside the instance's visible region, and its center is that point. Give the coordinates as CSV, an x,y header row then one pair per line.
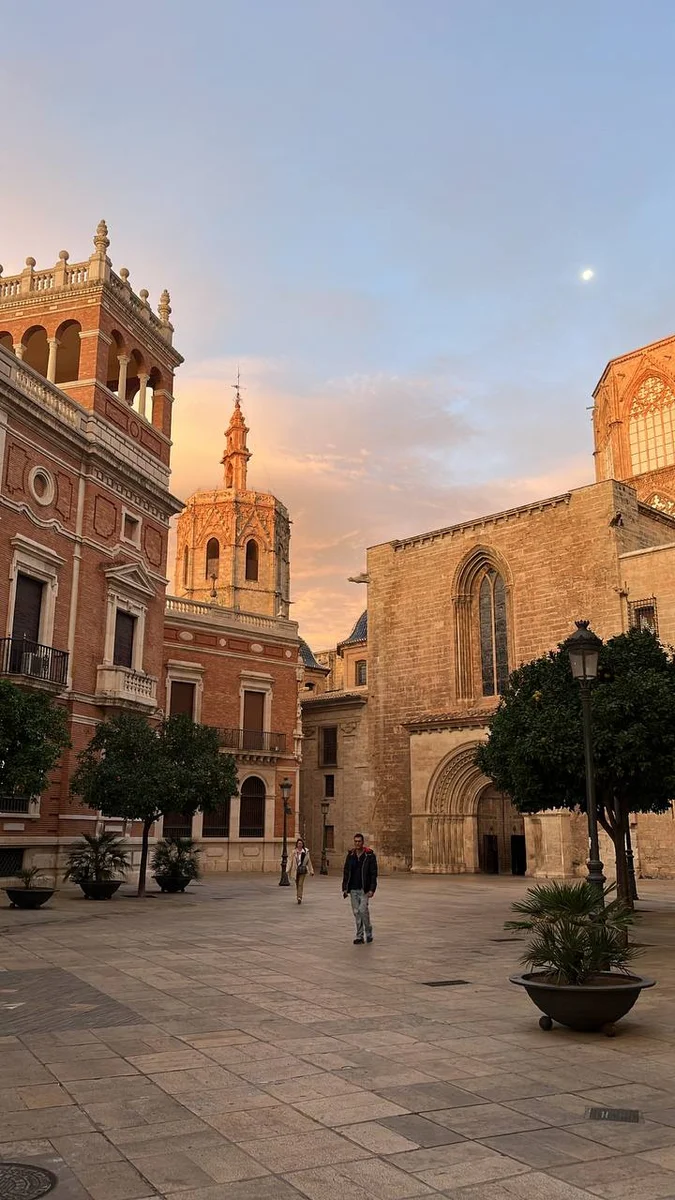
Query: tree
x,y
33,735
535,750
133,770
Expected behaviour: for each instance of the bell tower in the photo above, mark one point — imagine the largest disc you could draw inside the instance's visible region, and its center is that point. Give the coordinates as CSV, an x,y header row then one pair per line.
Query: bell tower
x,y
232,547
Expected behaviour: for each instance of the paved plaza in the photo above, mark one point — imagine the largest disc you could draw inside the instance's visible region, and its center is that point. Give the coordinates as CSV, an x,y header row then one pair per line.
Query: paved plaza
x,y
230,1045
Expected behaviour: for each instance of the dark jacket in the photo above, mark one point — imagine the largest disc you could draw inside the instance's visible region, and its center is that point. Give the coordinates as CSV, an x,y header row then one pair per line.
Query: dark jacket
x,y
368,870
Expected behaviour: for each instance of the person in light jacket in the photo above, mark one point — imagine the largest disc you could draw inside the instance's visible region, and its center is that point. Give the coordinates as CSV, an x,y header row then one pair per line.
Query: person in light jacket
x,y
300,868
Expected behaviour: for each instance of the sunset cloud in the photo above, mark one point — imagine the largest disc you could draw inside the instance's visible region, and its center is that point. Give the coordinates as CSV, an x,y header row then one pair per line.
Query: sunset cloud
x,y
357,461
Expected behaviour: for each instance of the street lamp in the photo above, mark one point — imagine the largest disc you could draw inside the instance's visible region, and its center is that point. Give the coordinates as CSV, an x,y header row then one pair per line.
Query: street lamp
x,y
325,805
584,648
285,789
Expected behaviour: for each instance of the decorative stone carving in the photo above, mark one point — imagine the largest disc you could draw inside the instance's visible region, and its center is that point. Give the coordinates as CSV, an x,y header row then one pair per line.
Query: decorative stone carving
x,y
105,517
152,542
17,461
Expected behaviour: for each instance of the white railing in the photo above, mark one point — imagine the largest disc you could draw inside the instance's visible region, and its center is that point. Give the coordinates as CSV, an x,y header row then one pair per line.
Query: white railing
x,y
194,608
10,287
44,393
43,281
122,684
79,273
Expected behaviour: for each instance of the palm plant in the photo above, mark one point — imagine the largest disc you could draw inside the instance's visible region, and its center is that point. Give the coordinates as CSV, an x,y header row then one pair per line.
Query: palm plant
x,y
574,936
99,858
31,878
176,858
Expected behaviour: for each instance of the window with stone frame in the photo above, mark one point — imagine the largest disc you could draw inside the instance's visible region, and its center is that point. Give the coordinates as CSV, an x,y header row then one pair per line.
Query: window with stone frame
x,y
643,615
328,746
361,673
651,426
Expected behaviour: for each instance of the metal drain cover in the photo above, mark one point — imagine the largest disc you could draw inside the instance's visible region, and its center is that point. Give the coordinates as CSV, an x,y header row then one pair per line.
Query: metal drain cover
x,y
446,983
629,1116
19,1181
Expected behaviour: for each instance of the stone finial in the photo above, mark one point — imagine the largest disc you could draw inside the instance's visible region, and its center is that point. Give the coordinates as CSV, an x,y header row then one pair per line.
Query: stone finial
x,y
124,274
30,262
144,293
64,255
164,307
101,239
1,268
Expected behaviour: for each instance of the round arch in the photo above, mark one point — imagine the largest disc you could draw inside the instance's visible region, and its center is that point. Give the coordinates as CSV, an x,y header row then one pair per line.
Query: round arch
x,y
68,352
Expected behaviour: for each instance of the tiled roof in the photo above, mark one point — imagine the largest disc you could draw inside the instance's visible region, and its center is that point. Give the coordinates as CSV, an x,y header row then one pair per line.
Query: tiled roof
x,y
360,631
308,658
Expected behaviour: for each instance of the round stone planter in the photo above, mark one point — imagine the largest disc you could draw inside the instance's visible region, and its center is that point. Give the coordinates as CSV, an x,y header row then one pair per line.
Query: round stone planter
x,y
591,1007
22,897
100,889
172,883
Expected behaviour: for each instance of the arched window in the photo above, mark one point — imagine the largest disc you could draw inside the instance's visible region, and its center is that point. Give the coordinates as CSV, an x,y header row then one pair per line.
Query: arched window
x,y
651,427
7,342
252,808
68,353
229,475
135,369
494,653
186,566
252,560
36,349
212,558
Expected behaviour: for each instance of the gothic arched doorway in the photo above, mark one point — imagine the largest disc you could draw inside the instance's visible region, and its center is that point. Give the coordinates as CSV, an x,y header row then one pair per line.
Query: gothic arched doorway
x,y
501,835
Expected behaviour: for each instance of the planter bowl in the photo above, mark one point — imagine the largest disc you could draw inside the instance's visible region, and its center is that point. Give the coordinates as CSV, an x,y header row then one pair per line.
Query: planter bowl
x,y
172,883
596,1005
102,889
22,897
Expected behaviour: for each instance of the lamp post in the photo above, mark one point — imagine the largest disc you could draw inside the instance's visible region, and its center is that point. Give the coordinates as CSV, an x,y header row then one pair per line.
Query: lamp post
x,y
325,804
584,648
285,789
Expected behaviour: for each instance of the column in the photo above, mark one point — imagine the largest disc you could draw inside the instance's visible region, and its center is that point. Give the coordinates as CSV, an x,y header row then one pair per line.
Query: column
x,y
51,361
19,349
123,360
142,394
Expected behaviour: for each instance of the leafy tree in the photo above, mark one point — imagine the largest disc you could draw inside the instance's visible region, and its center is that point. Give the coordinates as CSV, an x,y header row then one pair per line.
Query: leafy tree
x,y
33,735
133,770
535,751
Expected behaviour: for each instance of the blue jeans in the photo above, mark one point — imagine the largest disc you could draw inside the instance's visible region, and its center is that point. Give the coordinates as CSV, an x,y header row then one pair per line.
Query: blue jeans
x,y
361,913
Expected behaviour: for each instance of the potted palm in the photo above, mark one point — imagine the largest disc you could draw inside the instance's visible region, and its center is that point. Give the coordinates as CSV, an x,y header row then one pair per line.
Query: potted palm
x,y
99,864
175,862
33,892
578,955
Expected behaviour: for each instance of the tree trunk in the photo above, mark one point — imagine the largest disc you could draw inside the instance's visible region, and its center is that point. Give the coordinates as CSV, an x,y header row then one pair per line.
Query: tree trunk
x,y
147,826
614,821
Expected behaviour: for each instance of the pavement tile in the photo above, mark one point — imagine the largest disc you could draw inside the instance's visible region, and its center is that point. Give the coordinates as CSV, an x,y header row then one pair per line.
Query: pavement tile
x,y
44,1123
377,1138
629,1139
45,1095
550,1147
285,1154
274,1070
113,1181
626,1176
371,1179
535,1186
90,1068
171,1171
312,1087
485,1120
422,1130
267,1188
264,1122
84,1149
173,1060
507,1086
428,1096
211,1104
356,1107
481,1170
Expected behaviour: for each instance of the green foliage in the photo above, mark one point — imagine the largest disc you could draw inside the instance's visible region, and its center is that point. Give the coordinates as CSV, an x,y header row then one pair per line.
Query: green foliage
x,y
30,877
33,735
176,858
99,857
573,935
133,770
535,750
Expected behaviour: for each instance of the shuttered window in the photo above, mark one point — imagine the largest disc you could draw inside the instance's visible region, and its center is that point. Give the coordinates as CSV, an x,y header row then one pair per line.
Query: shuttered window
x,y
182,699
125,626
27,608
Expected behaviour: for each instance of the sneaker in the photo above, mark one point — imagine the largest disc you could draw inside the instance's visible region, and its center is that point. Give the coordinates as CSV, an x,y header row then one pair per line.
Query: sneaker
x,y
369,939
358,941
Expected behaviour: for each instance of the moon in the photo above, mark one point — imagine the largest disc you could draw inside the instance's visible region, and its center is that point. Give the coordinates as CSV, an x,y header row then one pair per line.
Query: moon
x,y
587,274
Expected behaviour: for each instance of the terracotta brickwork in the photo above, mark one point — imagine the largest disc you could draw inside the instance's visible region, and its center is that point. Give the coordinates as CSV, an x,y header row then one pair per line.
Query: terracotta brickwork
x,y
85,514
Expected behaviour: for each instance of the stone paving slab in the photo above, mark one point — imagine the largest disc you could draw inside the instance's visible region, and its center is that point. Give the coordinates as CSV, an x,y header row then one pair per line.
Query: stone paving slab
x,y
200,1051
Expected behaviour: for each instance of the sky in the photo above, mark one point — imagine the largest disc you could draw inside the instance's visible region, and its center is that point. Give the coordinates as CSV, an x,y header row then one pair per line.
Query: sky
x,y
379,210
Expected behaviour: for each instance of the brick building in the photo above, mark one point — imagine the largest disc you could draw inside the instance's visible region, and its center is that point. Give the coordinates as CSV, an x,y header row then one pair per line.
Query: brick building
x,y
231,656
86,384
86,393
450,612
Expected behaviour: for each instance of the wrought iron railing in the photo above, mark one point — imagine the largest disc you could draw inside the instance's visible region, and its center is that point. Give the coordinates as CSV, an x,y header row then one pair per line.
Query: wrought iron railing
x,y
252,740
22,805
18,656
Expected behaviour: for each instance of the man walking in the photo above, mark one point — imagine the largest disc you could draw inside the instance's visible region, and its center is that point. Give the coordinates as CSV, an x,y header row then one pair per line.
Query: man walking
x,y
359,881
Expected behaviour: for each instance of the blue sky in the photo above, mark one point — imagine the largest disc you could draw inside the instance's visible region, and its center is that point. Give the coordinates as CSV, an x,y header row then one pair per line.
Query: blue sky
x,y
381,210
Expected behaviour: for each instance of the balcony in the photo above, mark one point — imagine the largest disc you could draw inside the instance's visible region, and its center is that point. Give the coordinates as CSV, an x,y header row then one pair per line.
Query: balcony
x,y
252,744
121,687
19,806
42,665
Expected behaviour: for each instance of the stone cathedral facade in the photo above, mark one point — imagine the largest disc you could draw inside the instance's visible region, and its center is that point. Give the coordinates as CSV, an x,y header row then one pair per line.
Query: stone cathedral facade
x,y
451,611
